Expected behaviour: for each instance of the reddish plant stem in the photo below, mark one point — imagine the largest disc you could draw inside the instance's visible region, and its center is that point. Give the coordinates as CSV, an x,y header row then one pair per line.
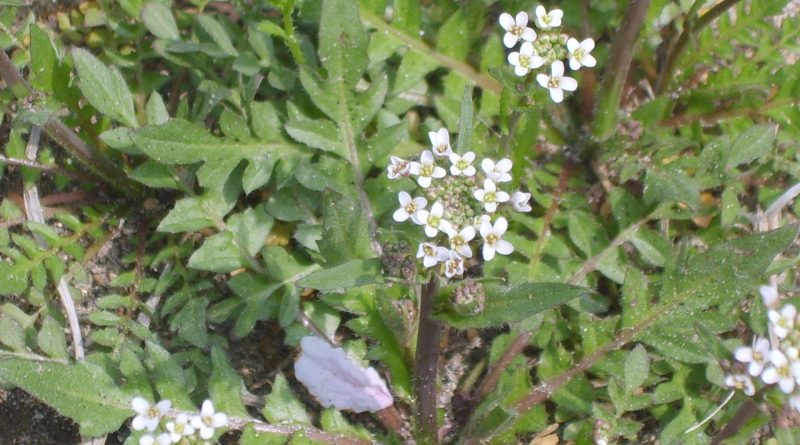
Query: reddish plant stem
x,y
426,364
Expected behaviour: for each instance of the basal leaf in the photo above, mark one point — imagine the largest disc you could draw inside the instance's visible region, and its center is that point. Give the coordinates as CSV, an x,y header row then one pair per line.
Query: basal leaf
x,y
104,87
343,42
353,273
159,20
345,235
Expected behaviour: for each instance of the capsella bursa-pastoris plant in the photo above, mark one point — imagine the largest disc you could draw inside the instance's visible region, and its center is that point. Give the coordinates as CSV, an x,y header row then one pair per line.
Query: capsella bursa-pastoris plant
x,y
465,204
547,48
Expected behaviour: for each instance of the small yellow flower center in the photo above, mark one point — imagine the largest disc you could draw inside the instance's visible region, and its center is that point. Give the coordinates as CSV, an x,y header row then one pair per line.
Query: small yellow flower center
x,y
426,170
452,267
433,221
207,420
517,30
784,372
179,427
757,357
546,19
411,207
457,242
153,412
578,54
489,197
554,82
428,250
441,148
462,164
398,169
491,239
524,61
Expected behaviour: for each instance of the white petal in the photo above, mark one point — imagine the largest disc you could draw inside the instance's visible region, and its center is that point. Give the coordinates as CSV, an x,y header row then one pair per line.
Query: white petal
x,y
762,345
207,408
420,202
526,49
574,65
506,21
422,217
426,157
431,231
486,228
442,254
543,80
415,168
138,423
147,440
465,251
500,226
219,420
429,261
769,295
770,376
587,45
540,11
140,405
557,69
479,194
529,35
504,165
744,354
522,19
536,62
488,252
206,433
424,181
778,359
467,233
400,215
521,71
490,207
568,83
557,94
439,172
572,44
503,247
404,198
443,136
509,40
787,385
513,58
555,17
489,186
469,171
589,60
755,368
469,157
445,226
151,424
487,165
163,406
197,422
437,209
789,312
502,196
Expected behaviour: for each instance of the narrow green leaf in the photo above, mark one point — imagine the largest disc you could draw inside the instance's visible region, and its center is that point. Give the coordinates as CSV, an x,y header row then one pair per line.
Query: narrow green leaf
x,y
43,60
218,254
510,305
51,339
282,406
11,334
353,273
104,87
637,367
343,42
217,34
754,143
159,20
82,392
345,235
321,134
157,113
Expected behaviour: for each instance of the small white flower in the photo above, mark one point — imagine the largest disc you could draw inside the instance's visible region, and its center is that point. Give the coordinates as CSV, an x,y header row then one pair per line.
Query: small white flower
x,y
783,322
497,172
769,295
409,208
179,428
781,371
480,220
490,196
741,382
462,165
162,439
148,415
454,265
433,220
399,168
440,142
208,420
556,82
547,20
756,356
459,241
425,169
794,402
432,254
519,201
579,54
516,29
493,239
525,60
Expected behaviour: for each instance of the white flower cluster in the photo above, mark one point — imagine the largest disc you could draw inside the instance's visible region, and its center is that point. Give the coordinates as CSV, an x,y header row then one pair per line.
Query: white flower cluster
x,y
776,360
181,430
548,48
463,203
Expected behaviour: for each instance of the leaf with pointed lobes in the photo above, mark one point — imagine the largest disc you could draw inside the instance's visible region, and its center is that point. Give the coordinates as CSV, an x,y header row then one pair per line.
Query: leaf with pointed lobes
x,y
336,380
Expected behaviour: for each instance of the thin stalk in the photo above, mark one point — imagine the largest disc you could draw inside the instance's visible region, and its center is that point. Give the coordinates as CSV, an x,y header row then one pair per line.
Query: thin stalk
x,y
38,166
462,69
426,366
745,413
291,38
605,115
691,27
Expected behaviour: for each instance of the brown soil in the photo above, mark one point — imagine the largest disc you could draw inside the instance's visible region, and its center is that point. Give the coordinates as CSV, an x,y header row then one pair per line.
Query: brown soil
x,y
26,421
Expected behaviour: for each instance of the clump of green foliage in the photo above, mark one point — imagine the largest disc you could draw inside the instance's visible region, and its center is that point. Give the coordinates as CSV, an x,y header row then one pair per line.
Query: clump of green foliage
x,y
236,153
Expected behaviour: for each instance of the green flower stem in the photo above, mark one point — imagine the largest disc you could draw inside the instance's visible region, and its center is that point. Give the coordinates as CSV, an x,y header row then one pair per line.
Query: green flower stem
x,y
745,412
691,27
425,367
462,69
605,115
98,163
291,39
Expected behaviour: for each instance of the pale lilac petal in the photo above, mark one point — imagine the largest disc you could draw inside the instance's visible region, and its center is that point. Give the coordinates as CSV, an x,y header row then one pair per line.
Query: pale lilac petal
x,y
522,19
744,354
469,157
420,202
426,157
786,385
439,172
755,368
468,233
